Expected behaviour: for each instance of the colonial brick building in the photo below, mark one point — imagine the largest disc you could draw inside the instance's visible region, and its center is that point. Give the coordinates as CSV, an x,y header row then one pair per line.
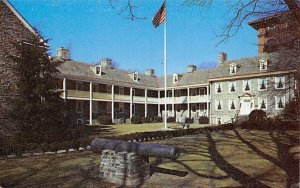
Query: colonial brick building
x,y
232,89
13,29
277,32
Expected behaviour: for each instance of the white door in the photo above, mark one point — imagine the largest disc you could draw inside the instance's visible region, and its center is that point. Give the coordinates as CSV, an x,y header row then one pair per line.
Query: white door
x,y
245,108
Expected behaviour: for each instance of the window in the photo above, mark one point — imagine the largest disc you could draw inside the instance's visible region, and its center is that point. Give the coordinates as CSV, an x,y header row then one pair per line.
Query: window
x,y
108,107
108,89
232,69
121,107
203,91
169,94
79,106
231,87
79,121
247,85
269,28
219,121
262,103
218,105
262,84
133,109
79,86
218,87
263,64
135,76
95,106
97,88
194,91
194,107
121,90
231,104
177,93
279,102
175,78
98,70
280,82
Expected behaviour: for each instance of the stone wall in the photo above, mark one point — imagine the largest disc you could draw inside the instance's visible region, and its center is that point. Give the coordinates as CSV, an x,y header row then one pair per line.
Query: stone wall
x,y
123,168
12,30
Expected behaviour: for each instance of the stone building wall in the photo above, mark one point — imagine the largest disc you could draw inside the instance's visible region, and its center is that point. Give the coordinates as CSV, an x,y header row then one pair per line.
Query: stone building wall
x,y
226,114
12,30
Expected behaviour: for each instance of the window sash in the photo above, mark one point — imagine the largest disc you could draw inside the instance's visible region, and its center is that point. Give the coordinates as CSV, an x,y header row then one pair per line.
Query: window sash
x,y
245,87
280,82
262,84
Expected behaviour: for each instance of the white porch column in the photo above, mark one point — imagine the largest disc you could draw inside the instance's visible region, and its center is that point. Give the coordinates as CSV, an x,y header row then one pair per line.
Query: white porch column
x,y
131,101
207,102
65,89
188,102
158,102
91,103
146,105
112,103
173,114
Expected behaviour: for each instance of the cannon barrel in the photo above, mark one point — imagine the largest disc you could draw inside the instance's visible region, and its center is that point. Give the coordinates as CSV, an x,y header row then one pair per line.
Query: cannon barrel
x,y
150,150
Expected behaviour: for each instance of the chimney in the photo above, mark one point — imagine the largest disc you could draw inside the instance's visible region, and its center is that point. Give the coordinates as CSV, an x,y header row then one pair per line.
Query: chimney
x,y
149,72
222,57
62,53
106,63
192,68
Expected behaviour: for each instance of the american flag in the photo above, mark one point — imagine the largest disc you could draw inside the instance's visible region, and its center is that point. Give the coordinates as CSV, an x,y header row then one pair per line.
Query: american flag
x,y
160,16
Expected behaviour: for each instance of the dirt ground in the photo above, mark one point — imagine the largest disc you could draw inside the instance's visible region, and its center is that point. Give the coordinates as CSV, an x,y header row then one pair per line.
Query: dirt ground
x,y
235,158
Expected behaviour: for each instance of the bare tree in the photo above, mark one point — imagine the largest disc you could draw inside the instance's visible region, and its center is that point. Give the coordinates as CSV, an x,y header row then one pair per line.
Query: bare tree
x,y
245,10
126,9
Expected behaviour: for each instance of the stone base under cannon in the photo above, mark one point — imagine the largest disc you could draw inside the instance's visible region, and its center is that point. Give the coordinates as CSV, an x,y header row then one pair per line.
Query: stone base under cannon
x,y
124,168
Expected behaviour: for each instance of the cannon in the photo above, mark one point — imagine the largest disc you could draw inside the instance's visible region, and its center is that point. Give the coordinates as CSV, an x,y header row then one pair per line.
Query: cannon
x,y
142,149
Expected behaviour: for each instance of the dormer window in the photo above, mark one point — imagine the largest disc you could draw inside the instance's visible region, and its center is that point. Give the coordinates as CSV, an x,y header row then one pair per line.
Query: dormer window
x,y
175,78
98,70
232,69
135,76
263,64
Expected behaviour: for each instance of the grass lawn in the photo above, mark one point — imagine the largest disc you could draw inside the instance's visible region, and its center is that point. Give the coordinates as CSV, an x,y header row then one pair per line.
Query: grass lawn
x,y
233,158
119,129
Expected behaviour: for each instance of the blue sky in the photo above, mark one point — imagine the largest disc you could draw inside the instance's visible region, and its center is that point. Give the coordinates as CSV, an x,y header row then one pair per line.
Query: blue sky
x,y
95,31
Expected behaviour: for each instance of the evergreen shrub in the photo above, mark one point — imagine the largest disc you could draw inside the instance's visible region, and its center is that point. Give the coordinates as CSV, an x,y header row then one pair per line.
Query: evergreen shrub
x,y
136,120
104,120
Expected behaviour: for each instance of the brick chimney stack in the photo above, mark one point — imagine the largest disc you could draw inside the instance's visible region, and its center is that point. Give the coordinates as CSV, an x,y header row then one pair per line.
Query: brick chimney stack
x,y
222,57
62,53
149,72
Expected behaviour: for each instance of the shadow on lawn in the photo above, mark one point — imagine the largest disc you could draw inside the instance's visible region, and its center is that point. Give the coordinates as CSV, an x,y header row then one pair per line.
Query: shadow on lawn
x,y
285,160
204,148
101,131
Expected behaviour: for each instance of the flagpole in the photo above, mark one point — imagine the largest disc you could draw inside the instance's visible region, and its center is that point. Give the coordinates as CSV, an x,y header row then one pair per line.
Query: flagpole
x,y
165,63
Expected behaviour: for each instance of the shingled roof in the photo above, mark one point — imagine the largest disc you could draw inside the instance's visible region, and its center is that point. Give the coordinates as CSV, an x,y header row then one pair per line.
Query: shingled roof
x,y
286,60
283,61
185,79
78,70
